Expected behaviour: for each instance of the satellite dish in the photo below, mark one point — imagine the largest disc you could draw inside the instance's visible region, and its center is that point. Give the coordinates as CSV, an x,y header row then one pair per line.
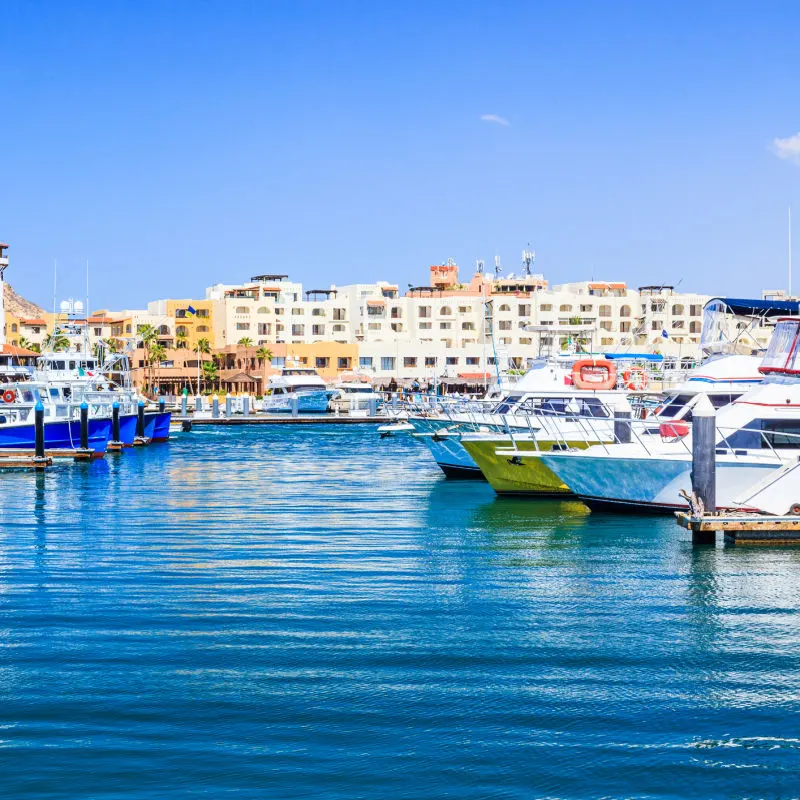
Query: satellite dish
x,y
78,305
64,305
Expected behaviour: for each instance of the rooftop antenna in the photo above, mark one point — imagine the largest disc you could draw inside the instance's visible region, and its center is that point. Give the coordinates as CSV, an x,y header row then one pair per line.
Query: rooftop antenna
x,y
790,251
528,259
497,268
479,266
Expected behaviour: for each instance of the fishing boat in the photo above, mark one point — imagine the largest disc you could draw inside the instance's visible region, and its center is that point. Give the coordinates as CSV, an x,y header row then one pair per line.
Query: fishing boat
x,y
297,386
354,394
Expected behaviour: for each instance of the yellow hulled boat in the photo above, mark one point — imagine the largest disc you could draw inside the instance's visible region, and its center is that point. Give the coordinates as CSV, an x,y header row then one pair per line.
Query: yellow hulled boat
x,y
507,474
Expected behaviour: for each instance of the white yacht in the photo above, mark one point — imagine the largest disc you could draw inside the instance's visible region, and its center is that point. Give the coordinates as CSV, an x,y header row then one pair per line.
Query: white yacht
x,y
757,434
353,394
300,386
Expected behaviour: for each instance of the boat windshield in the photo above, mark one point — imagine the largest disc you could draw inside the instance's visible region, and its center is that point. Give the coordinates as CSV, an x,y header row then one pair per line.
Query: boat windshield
x,y
783,348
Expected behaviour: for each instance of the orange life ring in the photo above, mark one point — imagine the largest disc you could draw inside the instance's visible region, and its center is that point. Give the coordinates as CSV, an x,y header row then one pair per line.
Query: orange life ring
x,y
594,373
9,396
635,379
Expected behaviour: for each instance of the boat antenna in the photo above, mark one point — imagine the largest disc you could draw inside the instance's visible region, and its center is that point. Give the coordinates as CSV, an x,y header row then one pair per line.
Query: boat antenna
x,y
497,268
790,251
55,286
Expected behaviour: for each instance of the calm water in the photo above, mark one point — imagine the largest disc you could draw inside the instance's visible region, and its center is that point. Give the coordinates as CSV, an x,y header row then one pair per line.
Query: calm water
x,y
308,612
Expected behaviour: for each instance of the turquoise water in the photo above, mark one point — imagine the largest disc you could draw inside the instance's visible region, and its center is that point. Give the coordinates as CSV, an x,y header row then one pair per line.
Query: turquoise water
x,y
311,612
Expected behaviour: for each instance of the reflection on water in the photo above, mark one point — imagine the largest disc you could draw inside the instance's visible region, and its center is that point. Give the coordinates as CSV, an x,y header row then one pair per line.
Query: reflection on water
x,y
313,612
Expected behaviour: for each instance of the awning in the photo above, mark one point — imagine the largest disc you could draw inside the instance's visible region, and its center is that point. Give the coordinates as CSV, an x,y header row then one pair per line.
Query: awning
x,y
757,308
475,376
376,302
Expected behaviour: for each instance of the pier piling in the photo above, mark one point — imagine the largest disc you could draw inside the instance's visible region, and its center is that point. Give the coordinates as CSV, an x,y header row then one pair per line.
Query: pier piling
x,y
83,453
246,404
162,405
38,418
704,463
184,404
294,405
139,439
215,407
198,403
228,405
115,444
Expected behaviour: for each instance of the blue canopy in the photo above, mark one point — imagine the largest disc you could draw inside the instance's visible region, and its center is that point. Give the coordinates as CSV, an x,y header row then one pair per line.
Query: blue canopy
x,y
634,356
758,308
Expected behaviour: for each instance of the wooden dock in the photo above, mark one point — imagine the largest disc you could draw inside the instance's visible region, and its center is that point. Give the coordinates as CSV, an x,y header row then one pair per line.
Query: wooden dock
x,y
742,528
279,419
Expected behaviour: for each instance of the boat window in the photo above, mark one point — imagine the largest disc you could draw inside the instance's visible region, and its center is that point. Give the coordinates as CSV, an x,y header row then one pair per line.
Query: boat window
x,y
67,393
780,346
761,434
72,365
313,386
674,404
721,400
28,396
59,365
53,392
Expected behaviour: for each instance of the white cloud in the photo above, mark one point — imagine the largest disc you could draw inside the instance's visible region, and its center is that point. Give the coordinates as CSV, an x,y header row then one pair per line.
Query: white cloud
x,y
788,148
503,121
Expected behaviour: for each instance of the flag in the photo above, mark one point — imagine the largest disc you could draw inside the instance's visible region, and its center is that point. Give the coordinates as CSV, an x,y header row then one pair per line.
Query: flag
x,y
190,311
665,334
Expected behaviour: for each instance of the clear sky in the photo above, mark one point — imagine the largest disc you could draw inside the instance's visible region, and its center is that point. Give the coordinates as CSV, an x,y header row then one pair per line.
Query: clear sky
x,y
178,144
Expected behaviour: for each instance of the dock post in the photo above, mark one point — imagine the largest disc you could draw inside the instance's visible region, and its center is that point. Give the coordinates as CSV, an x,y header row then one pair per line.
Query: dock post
x,y
228,405
38,418
294,404
162,405
215,407
115,443
184,404
139,439
198,404
704,463
622,421
84,425
394,401
246,404
373,406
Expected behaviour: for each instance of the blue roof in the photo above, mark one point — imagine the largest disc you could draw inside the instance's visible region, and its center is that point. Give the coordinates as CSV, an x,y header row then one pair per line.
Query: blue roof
x,y
758,308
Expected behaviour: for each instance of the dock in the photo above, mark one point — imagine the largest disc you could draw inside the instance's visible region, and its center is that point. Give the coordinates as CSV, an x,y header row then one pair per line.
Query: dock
x,y
742,528
278,419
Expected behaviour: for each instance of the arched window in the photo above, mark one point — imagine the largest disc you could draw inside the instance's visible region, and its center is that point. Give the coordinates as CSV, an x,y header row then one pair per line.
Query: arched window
x,y
694,327
180,330
445,311
263,310
163,330
625,311
678,310
505,307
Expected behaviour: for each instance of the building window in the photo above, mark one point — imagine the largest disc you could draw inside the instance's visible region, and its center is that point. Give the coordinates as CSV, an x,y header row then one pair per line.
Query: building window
x,y
317,312
280,310
445,326
242,310
242,326
397,327
452,361
545,307
504,325
278,361
524,310
505,340
204,328
374,326
263,310
365,362
695,310
343,362
202,313
605,311
424,311
97,331
322,362
430,361
338,328
339,313
297,312
317,330
397,313
425,326
387,363
467,326
445,311
473,361
606,325
678,310
463,309
374,311
298,330
625,311
505,307
586,309
409,362
625,327
264,328
525,340
694,327
565,307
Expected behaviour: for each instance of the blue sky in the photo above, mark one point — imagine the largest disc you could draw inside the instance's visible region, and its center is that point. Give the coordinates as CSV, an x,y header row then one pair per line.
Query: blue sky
x,y
178,144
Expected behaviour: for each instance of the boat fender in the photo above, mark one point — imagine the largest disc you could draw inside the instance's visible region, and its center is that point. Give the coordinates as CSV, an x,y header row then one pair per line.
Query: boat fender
x,y
8,396
795,510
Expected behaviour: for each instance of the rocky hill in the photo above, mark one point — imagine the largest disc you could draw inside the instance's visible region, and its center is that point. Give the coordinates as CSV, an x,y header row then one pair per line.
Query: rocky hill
x,y
19,306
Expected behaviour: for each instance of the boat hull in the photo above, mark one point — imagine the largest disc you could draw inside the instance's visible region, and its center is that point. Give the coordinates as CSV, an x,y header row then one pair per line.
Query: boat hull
x,y
652,484
451,456
509,475
58,435
127,429
161,427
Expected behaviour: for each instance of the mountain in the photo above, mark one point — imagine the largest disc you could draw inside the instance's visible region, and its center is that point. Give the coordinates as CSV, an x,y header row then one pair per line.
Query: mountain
x,y
19,306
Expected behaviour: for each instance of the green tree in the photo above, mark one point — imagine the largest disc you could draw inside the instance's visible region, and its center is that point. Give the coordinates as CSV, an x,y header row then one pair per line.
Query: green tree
x,y
203,347
56,342
29,345
210,373
263,354
147,336
180,338
247,343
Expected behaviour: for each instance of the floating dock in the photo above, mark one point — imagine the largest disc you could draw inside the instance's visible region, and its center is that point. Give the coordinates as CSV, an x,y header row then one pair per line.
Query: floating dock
x,y
279,419
742,528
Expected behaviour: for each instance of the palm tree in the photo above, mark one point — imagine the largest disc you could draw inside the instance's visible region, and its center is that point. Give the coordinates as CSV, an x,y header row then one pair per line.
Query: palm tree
x,y
147,334
180,337
156,355
210,373
56,342
247,343
29,345
263,354
203,347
